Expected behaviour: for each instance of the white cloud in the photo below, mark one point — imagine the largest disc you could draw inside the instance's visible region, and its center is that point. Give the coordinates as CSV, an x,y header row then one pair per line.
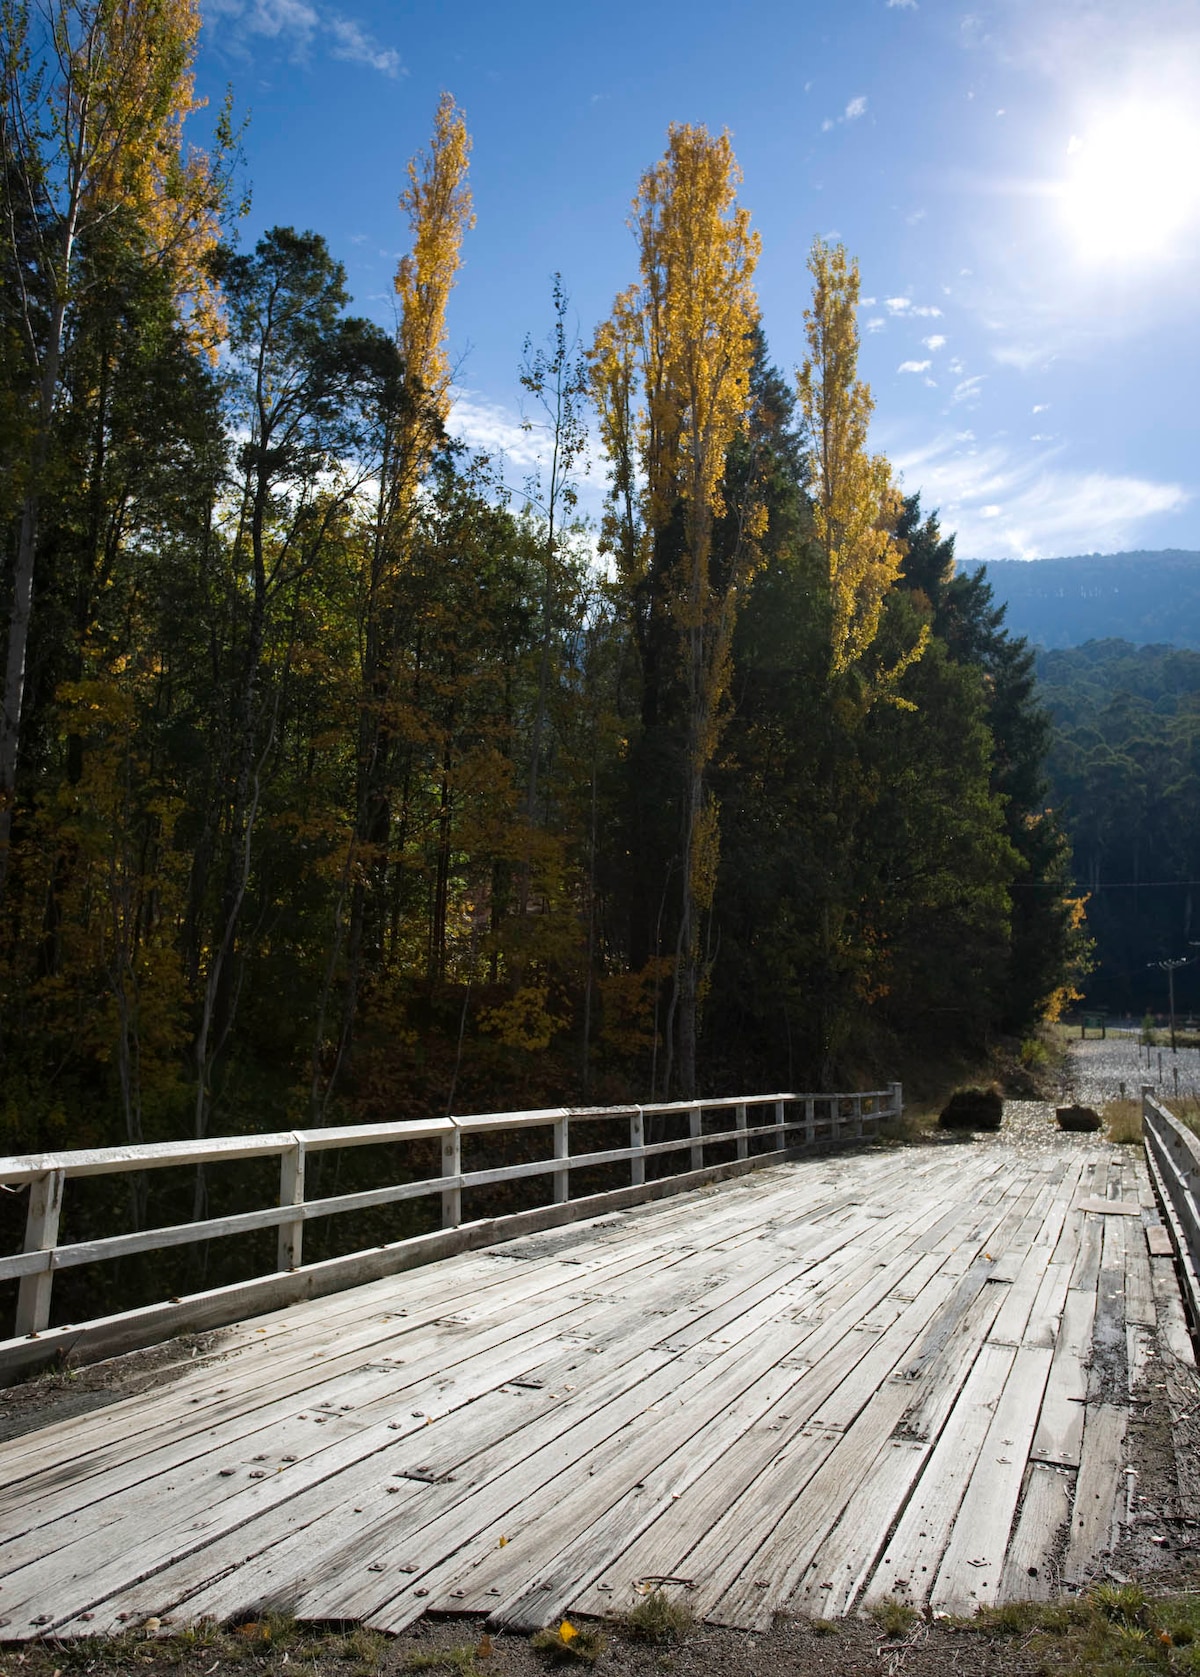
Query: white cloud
x,y
1002,504
1039,407
907,5
957,366
935,341
876,323
856,108
898,305
827,125
967,390
299,25
914,366
930,309
494,429
866,302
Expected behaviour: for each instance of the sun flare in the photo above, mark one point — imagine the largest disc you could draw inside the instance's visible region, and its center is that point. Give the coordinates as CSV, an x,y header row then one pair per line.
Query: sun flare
x,y
1132,183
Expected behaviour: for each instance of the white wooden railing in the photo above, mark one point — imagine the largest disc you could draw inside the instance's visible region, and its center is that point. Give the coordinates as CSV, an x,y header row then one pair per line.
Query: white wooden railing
x,y
784,1122
1173,1155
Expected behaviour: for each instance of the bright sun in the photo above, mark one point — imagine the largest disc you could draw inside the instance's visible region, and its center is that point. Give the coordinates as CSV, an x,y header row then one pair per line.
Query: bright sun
x,y
1133,183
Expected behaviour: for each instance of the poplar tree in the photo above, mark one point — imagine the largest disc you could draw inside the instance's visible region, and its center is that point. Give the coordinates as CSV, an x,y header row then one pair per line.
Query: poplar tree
x,y
685,335
855,503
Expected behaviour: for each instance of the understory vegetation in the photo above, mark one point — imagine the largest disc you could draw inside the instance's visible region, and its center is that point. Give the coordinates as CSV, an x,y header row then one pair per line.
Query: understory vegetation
x,y
341,781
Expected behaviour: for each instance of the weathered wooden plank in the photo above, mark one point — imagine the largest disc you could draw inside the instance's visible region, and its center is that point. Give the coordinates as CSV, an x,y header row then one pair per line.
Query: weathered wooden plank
x,y
909,1563
1094,1510
1032,1565
1059,1432
973,1564
851,1552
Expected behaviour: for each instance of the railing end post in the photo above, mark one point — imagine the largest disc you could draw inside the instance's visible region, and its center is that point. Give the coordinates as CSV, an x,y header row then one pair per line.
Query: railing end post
x,y
41,1235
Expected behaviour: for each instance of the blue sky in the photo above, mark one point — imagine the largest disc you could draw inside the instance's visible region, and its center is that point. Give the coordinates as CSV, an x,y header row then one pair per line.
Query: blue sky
x,y
1020,183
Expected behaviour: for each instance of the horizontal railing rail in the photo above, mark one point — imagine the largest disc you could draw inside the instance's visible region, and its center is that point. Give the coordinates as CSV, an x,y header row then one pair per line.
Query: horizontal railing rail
x,y
806,1119
1173,1155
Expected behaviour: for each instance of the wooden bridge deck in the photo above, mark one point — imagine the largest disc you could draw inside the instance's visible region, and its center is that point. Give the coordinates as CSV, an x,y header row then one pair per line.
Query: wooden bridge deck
x,y
900,1373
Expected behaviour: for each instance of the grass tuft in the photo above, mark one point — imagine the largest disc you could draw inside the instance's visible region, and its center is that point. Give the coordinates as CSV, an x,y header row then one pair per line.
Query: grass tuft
x,y
894,1618
569,1642
660,1619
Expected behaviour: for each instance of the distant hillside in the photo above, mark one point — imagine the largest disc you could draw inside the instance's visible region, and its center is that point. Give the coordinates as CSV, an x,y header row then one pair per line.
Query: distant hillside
x,y
1146,598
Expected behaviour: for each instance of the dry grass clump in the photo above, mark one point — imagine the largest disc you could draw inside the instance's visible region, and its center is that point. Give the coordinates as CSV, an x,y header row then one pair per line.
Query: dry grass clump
x,y
1123,1122
660,1619
569,1643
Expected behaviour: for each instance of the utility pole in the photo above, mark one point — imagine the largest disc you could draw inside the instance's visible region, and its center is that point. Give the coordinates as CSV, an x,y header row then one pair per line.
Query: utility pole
x,y
1169,967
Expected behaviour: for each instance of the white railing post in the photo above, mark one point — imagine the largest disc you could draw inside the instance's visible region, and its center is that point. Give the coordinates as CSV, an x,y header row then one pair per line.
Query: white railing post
x,y
739,1119
452,1166
289,1252
562,1150
810,1120
696,1132
41,1235
637,1139
858,1130
781,1135
896,1101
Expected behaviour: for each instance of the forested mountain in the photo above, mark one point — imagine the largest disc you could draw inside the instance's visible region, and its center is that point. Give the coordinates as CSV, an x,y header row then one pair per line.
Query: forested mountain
x,y
1124,771
338,784
1148,598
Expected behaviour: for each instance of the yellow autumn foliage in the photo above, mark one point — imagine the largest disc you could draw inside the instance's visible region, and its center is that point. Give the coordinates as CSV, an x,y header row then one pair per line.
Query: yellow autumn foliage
x,y
856,503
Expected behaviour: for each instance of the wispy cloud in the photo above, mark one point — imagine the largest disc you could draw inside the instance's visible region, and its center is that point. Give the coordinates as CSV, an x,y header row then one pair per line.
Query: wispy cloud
x,y
1024,357
906,306
1002,505
904,5
300,26
876,323
934,341
967,390
856,108
914,366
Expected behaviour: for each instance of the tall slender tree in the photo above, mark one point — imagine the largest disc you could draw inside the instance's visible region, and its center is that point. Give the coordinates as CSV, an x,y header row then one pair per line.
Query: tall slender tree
x,y
683,342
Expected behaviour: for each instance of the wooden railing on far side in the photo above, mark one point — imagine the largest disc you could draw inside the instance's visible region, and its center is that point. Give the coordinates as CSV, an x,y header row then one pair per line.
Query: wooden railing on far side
x,y
762,1129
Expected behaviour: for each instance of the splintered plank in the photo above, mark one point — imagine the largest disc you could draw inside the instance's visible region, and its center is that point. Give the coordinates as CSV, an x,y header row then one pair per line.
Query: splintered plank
x,y
1031,1569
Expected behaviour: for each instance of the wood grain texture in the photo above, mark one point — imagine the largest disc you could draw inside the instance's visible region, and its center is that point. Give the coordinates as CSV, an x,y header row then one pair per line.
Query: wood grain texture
x,y
900,1372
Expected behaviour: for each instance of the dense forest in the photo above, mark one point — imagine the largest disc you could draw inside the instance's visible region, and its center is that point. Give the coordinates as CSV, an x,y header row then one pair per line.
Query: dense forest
x,y
339,782
1125,776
